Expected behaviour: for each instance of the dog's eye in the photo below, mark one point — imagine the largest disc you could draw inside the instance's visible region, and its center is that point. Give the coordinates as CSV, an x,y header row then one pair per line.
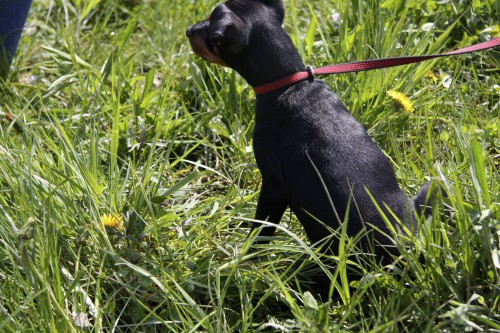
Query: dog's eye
x,y
216,38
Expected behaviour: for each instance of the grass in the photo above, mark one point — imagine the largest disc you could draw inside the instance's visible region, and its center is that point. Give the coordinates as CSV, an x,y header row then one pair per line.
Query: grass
x,y
106,111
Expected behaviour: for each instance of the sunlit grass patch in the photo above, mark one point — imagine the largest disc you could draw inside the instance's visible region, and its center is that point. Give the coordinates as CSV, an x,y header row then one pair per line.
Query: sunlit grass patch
x,y
125,127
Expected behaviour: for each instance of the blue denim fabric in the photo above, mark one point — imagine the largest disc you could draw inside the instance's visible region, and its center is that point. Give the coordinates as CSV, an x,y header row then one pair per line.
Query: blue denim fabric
x,y
13,14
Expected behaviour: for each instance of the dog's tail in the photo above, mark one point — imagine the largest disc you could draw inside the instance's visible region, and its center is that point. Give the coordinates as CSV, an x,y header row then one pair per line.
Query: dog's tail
x,y
426,198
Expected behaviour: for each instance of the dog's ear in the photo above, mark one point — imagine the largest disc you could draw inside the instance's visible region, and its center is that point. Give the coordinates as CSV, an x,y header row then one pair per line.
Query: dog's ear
x,y
277,6
228,32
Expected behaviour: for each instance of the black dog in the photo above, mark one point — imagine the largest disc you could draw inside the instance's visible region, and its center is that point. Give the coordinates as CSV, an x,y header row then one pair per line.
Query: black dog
x,y
313,155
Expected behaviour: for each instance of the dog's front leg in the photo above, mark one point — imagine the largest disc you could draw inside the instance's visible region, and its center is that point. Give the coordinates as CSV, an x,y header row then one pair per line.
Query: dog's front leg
x,y
270,208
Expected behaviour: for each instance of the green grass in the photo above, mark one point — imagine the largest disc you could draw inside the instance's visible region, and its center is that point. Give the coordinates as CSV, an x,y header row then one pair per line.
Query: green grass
x,y
121,118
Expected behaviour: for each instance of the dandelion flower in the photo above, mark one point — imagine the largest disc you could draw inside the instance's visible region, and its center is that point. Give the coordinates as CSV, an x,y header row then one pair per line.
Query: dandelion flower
x,y
112,221
401,100
431,75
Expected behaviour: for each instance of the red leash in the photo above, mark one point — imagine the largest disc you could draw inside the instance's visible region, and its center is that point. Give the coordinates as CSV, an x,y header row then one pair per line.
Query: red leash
x,y
366,65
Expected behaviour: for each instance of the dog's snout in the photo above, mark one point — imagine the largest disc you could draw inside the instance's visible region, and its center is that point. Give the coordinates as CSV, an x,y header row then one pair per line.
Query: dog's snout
x,y
198,28
198,35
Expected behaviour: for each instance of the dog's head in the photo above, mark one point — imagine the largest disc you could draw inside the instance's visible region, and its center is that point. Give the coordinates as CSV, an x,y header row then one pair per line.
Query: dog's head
x,y
240,33
226,34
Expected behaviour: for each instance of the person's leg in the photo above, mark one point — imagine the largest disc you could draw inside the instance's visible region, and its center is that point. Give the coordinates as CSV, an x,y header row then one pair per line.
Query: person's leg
x,y
13,14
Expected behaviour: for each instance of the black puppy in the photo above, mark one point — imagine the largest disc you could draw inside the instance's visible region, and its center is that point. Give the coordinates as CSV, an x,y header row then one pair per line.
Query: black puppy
x,y
313,155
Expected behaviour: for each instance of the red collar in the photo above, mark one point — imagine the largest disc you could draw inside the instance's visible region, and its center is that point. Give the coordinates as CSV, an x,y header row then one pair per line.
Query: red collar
x,y
285,81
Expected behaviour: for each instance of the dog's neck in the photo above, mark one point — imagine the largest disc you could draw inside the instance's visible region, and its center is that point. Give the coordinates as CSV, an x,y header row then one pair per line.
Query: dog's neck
x,y
281,58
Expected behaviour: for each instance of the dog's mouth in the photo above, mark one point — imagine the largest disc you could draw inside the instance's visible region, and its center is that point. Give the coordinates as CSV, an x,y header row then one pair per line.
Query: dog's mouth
x,y
202,47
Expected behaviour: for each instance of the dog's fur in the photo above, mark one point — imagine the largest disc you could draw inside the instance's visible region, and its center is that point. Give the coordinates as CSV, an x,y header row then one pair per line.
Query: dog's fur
x,y
313,155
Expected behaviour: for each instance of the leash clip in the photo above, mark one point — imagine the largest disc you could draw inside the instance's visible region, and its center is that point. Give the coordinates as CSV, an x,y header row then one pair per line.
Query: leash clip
x,y
310,72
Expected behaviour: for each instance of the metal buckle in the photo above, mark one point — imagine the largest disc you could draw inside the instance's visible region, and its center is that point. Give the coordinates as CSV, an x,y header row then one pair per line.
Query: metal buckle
x,y
310,71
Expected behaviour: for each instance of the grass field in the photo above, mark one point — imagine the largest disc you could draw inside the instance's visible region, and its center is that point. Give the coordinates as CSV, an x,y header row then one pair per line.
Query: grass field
x,y
128,181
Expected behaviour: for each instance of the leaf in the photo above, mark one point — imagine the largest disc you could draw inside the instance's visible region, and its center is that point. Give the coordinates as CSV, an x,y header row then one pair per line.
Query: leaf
x,y
66,56
183,182
350,38
150,77
309,301
127,32
61,83
495,256
310,35
428,26
430,7
89,5
144,273
479,173
147,94
82,321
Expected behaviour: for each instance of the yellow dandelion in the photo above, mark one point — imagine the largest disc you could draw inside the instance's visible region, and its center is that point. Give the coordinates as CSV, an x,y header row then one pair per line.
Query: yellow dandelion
x,y
401,100
431,75
112,221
